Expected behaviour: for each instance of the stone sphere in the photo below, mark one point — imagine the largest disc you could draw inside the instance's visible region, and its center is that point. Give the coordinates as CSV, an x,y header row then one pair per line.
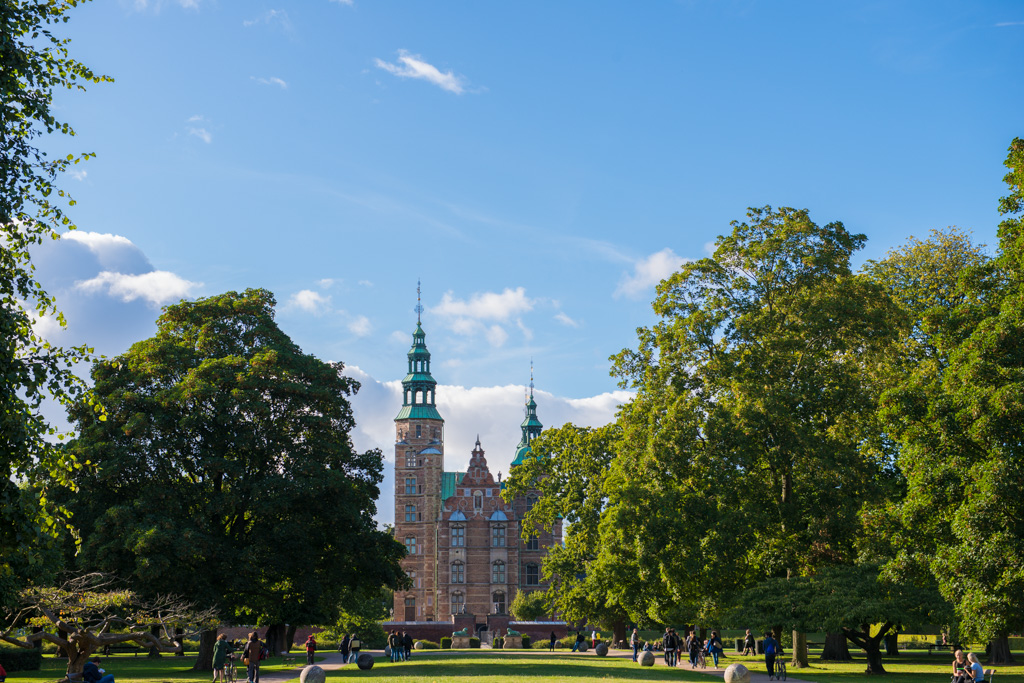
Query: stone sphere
x,y
601,650
313,674
364,661
582,648
418,645
737,673
387,650
647,658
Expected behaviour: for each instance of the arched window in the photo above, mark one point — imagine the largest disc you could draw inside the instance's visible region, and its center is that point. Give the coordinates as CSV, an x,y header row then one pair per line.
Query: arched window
x,y
530,502
410,545
458,536
532,577
498,536
410,513
478,500
498,572
458,603
498,598
458,572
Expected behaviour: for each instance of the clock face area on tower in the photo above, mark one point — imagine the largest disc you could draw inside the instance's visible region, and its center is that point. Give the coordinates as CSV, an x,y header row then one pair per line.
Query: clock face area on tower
x,y
465,555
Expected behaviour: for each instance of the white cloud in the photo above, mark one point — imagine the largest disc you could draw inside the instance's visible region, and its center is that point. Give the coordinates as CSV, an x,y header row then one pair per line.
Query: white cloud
x,y
365,283
157,287
97,242
348,3
196,117
486,305
271,17
273,80
413,66
527,332
201,133
325,283
78,174
1010,23
309,301
494,413
566,320
361,326
496,335
650,271
399,337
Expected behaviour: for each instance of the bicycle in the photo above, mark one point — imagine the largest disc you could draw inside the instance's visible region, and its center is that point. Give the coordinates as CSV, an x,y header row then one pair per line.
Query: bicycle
x,y
702,660
229,669
780,669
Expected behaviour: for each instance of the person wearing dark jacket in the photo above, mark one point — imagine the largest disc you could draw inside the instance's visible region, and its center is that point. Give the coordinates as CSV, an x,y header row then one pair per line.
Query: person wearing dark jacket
x,y
407,642
668,645
251,655
92,673
343,649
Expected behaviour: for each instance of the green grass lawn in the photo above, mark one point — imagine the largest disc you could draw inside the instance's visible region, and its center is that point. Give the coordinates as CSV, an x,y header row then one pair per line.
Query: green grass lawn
x,y
486,666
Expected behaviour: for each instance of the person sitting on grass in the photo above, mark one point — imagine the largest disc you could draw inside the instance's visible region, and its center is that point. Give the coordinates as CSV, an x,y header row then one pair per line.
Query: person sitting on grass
x,y
92,673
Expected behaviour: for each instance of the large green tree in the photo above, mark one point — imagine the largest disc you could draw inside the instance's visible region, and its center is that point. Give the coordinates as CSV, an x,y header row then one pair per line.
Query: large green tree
x,y
225,471
34,62
958,422
742,451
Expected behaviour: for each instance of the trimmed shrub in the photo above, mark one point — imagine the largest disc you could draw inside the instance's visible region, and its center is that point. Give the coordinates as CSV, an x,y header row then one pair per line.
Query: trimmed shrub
x,y
498,643
474,641
526,641
426,645
446,643
20,660
544,644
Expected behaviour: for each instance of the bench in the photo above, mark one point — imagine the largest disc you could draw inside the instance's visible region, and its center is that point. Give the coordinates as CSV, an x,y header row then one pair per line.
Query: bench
x,y
940,647
134,649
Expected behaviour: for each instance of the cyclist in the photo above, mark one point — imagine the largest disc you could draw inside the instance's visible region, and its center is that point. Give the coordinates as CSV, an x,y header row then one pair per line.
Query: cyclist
x,y
771,648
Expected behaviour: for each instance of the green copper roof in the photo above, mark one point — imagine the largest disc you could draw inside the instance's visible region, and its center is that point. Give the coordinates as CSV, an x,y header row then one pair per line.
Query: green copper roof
x,y
449,480
419,413
521,455
419,377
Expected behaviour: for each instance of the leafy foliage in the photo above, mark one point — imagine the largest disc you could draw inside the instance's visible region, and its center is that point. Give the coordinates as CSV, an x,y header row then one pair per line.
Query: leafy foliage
x,y
529,605
33,63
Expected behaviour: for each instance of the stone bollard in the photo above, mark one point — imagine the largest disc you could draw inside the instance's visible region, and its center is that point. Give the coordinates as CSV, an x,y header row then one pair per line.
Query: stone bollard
x,y
364,661
737,673
313,674
601,650
646,658
418,645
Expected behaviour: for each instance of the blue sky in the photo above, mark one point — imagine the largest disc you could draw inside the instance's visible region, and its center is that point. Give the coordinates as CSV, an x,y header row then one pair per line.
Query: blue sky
x,y
538,165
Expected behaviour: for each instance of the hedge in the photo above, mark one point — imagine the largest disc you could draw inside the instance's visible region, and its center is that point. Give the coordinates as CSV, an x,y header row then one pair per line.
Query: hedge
x,y
20,660
446,643
526,642
474,641
428,644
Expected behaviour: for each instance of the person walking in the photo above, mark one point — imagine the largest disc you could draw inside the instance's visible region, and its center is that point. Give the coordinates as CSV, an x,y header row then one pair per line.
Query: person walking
x,y
354,646
668,645
343,649
310,649
407,644
595,636
634,641
220,657
251,656
580,639
715,646
749,646
694,647
771,648
554,639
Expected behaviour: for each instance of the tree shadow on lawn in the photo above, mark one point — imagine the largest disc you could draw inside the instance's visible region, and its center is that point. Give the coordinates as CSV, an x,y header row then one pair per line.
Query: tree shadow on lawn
x,y
523,667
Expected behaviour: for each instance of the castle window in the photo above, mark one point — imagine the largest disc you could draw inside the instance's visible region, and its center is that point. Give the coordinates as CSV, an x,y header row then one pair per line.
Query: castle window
x,y
410,459
478,500
498,572
498,598
458,603
458,572
418,430
410,545
532,543
498,537
532,577
530,502
410,486
410,513
458,536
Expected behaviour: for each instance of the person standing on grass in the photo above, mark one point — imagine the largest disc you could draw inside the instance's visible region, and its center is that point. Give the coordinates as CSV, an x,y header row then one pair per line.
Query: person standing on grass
x,y
715,646
554,639
354,646
668,645
695,648
749,646
220,657
251,657
634,641
771,648
310,649
407,645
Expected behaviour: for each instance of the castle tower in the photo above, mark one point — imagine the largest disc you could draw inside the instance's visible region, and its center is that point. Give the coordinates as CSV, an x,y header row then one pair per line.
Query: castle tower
x,y
531,426
419,466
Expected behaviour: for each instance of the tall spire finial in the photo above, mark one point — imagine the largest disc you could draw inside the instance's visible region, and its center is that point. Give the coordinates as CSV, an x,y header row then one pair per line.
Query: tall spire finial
x,y
531,377
419,304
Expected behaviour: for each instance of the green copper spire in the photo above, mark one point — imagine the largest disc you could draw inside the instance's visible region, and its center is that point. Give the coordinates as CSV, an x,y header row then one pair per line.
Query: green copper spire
x,y
418,387
531,426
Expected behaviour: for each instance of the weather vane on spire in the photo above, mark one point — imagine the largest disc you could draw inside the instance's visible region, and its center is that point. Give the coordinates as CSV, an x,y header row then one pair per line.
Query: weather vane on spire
x,y
531,377
419,305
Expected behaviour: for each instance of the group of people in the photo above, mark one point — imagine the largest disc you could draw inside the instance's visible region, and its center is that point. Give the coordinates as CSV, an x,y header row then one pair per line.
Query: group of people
x,y
673,645
349,648
967,669
401,646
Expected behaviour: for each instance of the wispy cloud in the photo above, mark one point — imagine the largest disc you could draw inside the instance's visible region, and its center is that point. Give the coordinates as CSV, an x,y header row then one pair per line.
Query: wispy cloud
x,y
413,66
78,174
360,326
348,3
566,320
157,287
483,311
649,271
155,5
1010,23
272,17
199,130
309,301
325,283
273,80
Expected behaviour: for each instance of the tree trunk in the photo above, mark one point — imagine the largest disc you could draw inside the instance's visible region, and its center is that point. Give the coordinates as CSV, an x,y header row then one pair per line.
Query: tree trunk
x,y
892,644
703,632
618,631
999,650
275,639
154,651
870,644
836,649
204,662
799,660
874,657
179,637
77,660
289,639
39,643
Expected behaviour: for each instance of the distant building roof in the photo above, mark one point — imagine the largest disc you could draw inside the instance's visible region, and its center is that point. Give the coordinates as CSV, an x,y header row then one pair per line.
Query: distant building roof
x,y
449,480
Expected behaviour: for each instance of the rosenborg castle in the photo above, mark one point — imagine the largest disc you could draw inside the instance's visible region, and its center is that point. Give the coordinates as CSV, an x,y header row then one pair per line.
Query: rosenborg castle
x,y
465,553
